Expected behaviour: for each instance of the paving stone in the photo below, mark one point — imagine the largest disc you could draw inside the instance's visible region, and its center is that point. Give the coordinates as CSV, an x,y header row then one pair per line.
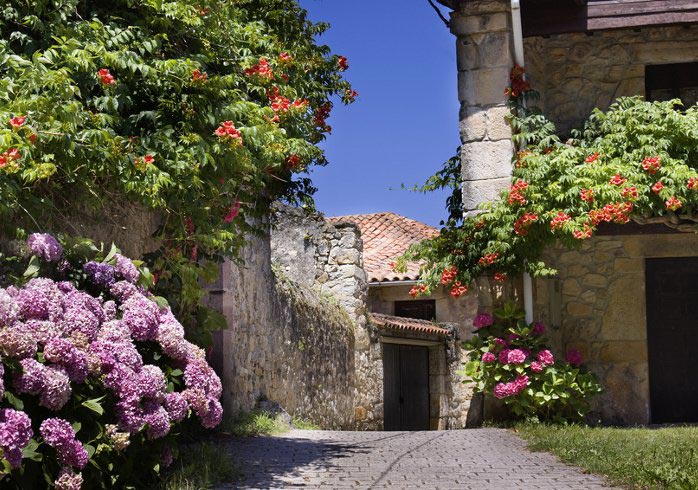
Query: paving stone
x,y
490,459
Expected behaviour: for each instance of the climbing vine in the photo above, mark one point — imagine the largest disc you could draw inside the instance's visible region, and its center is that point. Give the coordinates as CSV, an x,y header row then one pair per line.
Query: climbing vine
x,y
637,161
202,111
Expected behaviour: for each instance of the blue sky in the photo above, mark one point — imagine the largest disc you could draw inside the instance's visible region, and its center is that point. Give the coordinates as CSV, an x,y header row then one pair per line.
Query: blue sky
x,y
404,124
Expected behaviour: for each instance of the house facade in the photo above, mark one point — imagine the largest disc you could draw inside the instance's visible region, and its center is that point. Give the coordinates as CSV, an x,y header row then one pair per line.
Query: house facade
x,y
626,298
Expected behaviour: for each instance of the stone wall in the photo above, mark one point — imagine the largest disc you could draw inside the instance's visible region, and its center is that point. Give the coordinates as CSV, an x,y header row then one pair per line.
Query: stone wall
x,y
484,53
330,258
285,341
576,73
596,304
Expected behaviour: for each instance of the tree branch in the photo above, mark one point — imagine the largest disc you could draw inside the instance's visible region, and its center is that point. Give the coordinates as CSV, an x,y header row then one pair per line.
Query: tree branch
x,y
438,12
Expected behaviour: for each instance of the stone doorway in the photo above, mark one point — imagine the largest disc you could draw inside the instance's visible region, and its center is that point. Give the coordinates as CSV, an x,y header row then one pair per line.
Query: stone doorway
x,y
406,387
672,328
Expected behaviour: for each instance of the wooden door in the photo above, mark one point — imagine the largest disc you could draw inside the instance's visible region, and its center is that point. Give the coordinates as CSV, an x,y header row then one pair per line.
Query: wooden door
x,y
672,337
405,387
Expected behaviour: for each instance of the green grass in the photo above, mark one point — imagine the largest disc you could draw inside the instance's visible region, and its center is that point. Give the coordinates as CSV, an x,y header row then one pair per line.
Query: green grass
x,y
255,423
303,424
661,458
200,466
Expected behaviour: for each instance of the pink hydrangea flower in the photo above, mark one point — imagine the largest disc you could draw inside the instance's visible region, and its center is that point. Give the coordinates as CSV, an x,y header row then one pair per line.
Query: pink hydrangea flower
x,y
516,356
483,320
488,357
546,357
537,367
501,342
504,356
538,329
574,357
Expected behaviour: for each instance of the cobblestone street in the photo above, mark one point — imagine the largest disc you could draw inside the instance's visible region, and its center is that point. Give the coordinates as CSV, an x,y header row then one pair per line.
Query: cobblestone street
x,y
464,459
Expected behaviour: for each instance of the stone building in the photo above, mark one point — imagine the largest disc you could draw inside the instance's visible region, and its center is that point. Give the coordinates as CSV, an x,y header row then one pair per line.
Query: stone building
x,y
626,299
417,342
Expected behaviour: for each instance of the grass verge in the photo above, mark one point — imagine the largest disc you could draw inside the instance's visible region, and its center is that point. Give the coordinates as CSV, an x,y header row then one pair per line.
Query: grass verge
x,y
200,466
255,423
661,458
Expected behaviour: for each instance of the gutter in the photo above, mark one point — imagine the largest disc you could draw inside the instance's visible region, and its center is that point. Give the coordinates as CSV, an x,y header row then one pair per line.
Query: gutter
x,y
383,284
519,59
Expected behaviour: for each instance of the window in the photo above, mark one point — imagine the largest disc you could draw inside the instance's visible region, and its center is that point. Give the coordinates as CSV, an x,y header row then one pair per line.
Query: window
x,y
677,81
421,309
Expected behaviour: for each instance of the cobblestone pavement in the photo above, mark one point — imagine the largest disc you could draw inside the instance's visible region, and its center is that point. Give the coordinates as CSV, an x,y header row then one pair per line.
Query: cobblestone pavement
x,y
464,459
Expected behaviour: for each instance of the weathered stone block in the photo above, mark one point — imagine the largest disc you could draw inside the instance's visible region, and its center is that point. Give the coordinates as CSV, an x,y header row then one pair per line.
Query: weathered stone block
x,y
626,351
486,159
624,318
483,86
464,25
498,127
479,191
473,124
623,265
579,309
595,280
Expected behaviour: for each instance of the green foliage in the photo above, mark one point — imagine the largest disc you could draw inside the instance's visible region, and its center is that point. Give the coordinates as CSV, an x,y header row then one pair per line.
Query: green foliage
x,y
304,424
563,190
638,458
200,466
534,386
255,423
176,71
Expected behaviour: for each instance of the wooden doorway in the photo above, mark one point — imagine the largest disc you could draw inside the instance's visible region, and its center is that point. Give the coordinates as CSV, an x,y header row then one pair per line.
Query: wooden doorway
x,y
406,387
672,338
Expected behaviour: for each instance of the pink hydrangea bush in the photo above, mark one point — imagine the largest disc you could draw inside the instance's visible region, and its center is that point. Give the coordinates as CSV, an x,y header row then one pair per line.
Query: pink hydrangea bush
x,y
94,369
509,359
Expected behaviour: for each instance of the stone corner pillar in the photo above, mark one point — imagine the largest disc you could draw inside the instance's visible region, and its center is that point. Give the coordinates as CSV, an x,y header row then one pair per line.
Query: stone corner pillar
x,y
485,55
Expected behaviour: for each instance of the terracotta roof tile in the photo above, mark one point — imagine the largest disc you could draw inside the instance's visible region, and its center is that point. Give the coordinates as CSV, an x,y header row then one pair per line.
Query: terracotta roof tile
x,y
387,236
409,324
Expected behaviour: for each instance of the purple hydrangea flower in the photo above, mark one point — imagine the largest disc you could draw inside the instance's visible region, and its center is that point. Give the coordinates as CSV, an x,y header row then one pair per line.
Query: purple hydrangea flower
x,y
176,406
123,290
17,341
9,309
141,316
31,379
213,415
126,269
63,352
157,419
68,480
56,390
59,434
15,432
100,274
45,246
151,382
198,374
40,299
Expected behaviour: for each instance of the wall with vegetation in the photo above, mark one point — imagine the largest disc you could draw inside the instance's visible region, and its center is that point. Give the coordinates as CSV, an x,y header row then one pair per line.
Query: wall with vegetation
x,y
576,73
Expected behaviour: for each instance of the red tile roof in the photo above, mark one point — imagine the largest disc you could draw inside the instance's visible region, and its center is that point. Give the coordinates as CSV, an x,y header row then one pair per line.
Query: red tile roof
x,y
409,324
387,236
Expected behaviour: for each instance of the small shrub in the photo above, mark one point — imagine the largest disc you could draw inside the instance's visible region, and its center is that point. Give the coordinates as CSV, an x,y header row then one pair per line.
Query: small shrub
x,y
510,361
255,423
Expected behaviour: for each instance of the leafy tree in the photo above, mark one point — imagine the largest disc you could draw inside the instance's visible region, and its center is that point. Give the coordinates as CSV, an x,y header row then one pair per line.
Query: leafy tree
x,y
199,110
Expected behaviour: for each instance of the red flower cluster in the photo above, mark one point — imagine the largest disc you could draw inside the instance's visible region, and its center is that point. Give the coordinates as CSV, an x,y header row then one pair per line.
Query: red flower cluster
x,y
280,104
500,276
233,212
616,212
321,114
515,191
142,163
198,76
458,289
672,204
521,225
488,259
630,193
518,85
261,70
227,132
417,290
300,104
559,220
582,234
106,78
658,186
448,275
293,161
520,155
285,58
342,63
693,183
592,158
350,95
9,156
587,195
651,164
17,121
618,180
